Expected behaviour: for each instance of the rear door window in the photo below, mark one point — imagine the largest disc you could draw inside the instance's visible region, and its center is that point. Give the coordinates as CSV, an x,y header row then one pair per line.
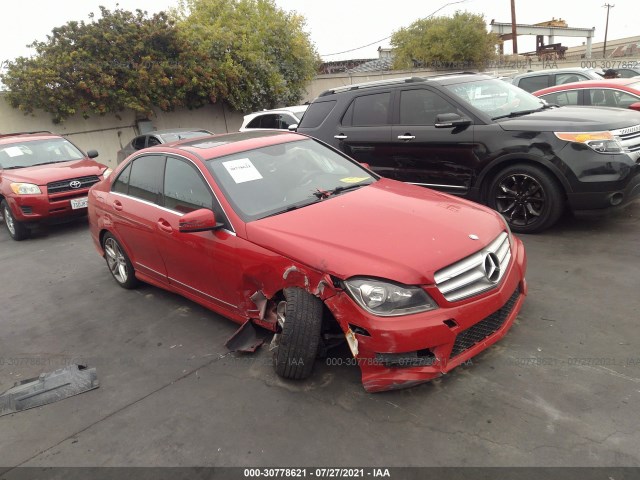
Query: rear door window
x,y
121,185
145,180
369,110
316,113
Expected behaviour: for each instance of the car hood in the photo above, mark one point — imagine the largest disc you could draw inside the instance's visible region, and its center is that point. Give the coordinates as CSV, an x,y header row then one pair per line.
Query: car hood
x,y
573,119
53,172
388,230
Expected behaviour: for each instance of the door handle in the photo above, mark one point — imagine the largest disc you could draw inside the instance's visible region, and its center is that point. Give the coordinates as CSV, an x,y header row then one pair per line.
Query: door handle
x,y
406,136
164,225
340,136
117,205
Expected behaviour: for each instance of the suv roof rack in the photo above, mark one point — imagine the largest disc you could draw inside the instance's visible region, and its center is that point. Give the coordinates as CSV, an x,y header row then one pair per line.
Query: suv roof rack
x,y
357,86
15,134
393,81
445,74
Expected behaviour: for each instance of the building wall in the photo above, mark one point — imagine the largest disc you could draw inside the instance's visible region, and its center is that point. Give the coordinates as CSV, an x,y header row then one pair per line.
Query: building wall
x,y
109,133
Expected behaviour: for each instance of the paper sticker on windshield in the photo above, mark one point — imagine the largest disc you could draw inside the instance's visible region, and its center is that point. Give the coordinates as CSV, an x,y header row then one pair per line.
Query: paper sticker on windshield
x,y
242,170
354,179
14,151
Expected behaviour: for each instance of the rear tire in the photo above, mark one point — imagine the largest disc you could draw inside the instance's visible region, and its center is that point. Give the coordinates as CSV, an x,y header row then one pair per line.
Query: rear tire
x,y
16,230
118,262
528,197
300,328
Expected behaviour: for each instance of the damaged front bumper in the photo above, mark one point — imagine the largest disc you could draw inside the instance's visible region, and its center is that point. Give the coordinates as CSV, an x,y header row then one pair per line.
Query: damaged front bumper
x,y
399,352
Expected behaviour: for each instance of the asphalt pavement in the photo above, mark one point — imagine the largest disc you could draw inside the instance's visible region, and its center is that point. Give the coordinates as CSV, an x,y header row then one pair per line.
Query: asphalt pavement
x,y
561,389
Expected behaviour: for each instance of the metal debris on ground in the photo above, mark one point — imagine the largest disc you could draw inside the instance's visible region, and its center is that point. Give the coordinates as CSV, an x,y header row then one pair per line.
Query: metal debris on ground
x,y
48,388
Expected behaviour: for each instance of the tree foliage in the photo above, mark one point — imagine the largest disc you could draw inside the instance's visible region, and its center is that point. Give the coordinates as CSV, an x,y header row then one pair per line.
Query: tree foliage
x,y
246,52
461,39
266,57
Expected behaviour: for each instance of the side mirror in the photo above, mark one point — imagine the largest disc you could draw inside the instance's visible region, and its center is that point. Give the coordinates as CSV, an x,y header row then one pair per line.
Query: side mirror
x,y
365,165
293,127
450,120
635,106
199,221
92,153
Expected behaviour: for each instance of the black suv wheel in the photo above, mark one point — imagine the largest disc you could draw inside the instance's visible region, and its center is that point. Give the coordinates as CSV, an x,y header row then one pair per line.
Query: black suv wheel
x,y
529,198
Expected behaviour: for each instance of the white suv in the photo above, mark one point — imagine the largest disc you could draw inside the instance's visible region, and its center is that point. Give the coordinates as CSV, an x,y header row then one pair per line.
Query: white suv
x,y
278,119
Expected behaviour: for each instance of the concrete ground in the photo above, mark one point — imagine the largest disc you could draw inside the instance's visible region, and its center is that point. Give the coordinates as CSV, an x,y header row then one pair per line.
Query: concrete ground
x,y
561,389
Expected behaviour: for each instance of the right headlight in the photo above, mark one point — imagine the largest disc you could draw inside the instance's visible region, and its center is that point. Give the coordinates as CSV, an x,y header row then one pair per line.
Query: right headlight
x,y
601,142
387,299
25,189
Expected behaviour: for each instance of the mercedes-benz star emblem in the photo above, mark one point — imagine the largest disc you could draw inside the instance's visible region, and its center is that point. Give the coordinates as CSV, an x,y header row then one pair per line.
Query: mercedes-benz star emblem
x,y
473,236
491,266
75,184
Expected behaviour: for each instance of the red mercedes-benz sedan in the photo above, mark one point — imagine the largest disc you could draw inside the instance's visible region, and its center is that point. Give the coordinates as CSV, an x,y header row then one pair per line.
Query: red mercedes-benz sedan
x,y
278,230
43,178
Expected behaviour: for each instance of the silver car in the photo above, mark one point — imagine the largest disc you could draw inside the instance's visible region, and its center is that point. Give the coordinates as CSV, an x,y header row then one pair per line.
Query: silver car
x,y
158,137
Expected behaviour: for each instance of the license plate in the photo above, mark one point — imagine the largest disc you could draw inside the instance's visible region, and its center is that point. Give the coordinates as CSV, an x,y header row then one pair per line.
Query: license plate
x,y
77,203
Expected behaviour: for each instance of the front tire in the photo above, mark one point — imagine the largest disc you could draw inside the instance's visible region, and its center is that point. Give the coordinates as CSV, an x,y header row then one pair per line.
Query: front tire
x,y
300,325
16,230
118,262
528,197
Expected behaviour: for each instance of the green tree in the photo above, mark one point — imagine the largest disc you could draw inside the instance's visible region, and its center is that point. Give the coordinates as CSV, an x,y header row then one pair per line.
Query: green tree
x,y
461,39
123,60
263,53
245,52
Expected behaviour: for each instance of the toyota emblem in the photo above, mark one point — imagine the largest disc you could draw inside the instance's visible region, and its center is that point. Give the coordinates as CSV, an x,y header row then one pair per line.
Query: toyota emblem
x,y
491,266
75,184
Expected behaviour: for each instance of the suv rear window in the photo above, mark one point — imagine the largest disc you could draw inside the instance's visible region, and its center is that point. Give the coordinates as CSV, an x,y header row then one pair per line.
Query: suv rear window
x,y
316,113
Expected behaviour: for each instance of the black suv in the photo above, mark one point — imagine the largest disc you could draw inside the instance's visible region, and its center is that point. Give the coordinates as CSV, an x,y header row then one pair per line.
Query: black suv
x,y
482,138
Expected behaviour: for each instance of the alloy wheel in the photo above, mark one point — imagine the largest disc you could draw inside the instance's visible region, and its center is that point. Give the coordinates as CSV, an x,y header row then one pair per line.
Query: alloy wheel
x,y
9,221
116,260
521,199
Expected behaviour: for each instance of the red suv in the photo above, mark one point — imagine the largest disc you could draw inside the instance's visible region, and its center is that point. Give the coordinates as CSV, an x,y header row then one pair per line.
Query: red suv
x,y
278,230
43,178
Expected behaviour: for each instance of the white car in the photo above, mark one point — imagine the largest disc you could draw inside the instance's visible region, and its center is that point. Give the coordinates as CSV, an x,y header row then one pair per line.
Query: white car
x,y
278,119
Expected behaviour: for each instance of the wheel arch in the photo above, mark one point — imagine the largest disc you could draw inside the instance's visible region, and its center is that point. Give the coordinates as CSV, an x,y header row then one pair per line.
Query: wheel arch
x,y
491,170
124,246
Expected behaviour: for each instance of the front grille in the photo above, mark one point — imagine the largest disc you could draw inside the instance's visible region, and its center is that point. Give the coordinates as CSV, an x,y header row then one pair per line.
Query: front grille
x,y
476,273
629,137
27,210
484,328
65,185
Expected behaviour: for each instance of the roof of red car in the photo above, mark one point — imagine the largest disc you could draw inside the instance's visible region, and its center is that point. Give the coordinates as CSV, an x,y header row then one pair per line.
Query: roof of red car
x,y
228,143
7,138
619,83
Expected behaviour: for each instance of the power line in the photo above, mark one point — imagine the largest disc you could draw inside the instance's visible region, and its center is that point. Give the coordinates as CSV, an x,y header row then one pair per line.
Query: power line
x,y
387,38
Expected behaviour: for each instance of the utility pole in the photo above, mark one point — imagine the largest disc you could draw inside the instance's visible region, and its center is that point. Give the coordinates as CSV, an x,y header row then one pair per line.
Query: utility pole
x,y
606,30
513,27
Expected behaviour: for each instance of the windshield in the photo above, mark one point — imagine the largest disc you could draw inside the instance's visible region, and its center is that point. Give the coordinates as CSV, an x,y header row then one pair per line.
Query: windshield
x,y
37,152
497,98
279,178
